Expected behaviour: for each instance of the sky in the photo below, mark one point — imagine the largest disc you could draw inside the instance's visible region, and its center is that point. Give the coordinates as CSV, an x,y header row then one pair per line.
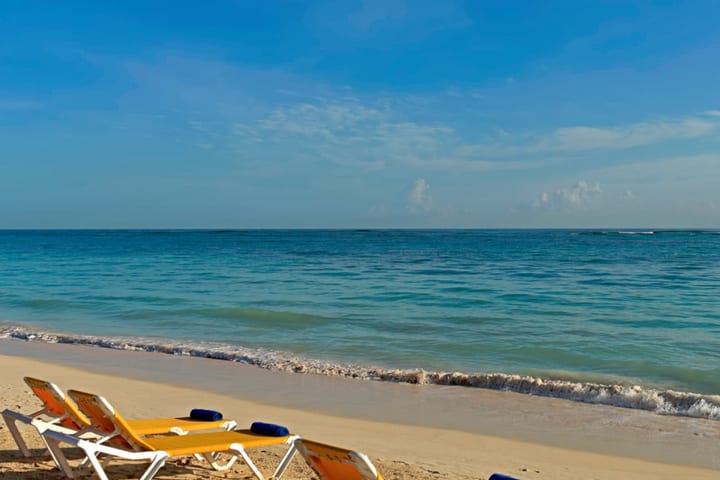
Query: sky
x,y
360,114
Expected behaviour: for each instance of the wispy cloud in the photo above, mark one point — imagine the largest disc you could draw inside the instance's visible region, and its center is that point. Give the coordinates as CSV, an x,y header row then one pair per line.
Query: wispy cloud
x,y
639,134
378,134
581,138
329,121
351,132
323,126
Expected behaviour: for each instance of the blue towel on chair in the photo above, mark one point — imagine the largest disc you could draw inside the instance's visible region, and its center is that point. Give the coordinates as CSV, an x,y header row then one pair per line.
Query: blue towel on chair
x,y
205,415
269,429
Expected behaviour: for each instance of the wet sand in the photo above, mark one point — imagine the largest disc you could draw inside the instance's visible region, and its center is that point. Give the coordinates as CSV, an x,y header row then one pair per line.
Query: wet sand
x,y
409,431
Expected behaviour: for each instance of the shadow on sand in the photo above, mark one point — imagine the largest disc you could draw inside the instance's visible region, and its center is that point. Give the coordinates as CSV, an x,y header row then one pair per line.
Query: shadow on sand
x,y
13,466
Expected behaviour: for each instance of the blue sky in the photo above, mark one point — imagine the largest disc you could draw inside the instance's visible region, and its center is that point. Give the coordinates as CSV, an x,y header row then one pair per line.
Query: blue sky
x,y
239,114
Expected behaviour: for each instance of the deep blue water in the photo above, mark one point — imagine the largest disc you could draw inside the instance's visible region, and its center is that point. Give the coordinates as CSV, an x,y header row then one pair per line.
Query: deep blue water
x,y
608,306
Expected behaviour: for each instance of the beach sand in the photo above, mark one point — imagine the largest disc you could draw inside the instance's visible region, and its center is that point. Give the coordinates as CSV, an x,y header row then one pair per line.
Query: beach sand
x,y
409,431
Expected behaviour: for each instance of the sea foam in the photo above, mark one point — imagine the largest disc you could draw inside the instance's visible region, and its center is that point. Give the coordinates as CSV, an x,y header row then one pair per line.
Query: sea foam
x,y
667,402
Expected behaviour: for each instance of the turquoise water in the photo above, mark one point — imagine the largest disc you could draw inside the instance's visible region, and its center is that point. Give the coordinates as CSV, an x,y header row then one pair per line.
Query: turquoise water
x,y
614,307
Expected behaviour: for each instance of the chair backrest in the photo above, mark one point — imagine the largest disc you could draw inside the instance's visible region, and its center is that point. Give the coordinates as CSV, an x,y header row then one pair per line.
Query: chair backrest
x,y
56,404
107,422
335,463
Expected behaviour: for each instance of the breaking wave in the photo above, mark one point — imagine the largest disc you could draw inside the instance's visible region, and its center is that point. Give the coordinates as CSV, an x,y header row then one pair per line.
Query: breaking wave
x,y
646,232
667,402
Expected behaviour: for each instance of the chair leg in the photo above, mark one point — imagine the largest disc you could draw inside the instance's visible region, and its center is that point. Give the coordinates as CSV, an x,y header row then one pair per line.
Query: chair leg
x,y
52,452
155,465
59,457
285,462
241,451
92,457
12,426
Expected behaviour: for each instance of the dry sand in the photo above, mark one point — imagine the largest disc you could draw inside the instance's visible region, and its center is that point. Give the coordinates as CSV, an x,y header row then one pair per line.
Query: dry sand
x,y
544,438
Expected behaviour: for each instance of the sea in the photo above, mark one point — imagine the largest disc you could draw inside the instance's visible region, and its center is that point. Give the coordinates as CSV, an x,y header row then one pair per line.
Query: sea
x,y
626,317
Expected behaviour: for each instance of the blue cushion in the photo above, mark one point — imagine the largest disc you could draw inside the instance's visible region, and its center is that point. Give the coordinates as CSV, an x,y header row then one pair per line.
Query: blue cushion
x,y
269,429
205,415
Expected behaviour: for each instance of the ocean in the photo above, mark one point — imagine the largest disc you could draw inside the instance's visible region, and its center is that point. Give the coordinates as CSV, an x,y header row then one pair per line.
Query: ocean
x,y
621,317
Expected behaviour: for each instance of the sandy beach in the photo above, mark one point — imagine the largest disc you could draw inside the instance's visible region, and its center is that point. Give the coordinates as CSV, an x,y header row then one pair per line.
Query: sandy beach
x,y
409,431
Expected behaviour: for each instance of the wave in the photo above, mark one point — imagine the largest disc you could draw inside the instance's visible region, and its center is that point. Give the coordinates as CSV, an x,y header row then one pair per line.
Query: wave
x,y
666,402
646,232
616,232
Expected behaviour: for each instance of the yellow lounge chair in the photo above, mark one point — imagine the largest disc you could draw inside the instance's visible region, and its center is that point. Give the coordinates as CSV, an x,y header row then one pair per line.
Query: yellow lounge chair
x,y
122,441
60,413
333,463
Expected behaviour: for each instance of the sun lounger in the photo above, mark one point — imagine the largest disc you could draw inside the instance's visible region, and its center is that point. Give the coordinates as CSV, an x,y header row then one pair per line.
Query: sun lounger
x,y
57,413
333,463
120,440
61,414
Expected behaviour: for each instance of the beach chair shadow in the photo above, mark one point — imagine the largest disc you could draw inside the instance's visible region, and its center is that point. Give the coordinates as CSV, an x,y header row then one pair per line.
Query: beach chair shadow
x,y
15,466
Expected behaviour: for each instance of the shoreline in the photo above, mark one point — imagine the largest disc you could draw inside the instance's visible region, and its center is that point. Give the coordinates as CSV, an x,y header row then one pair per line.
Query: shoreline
x,y
447,429
666,402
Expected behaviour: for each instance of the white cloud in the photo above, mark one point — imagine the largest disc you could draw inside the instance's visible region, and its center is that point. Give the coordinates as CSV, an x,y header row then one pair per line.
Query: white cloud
x,y
419,200
353,134
312,122
633,135
579,196
348,132
462,165
327,121
582,138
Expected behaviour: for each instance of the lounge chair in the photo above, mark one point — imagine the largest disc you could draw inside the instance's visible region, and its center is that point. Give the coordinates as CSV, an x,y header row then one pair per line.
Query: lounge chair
x,y
57,413
120,440
333,463
60,413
